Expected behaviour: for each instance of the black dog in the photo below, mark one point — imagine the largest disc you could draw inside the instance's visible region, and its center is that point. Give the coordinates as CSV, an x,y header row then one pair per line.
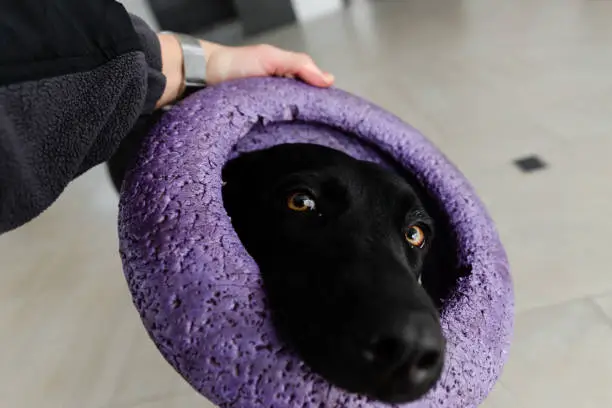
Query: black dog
x,y
342,246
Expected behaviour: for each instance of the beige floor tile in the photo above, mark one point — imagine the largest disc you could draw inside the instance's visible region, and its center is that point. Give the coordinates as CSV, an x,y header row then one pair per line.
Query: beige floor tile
x,y
561,357
552,225
187,400
66,320
66,349
146,376
605,304
500,397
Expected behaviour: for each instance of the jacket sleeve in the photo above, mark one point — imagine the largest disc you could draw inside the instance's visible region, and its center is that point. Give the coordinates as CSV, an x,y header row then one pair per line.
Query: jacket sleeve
x,y
74,78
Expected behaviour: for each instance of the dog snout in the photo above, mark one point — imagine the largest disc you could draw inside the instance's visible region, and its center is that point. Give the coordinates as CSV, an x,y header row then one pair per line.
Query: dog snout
x,y
410,355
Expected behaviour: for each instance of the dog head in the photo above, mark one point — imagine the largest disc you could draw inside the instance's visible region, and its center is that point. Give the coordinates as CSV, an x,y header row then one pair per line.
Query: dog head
x,y
342,246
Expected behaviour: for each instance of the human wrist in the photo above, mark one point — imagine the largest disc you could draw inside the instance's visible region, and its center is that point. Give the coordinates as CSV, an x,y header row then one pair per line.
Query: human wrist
x,y
209,48
212,67
173,65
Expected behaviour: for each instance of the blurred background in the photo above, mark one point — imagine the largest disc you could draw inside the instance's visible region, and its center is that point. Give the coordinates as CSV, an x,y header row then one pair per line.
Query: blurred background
x,y
518,94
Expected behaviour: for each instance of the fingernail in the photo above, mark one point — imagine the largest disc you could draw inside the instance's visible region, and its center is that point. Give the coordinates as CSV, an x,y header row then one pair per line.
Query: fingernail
x,y
329,78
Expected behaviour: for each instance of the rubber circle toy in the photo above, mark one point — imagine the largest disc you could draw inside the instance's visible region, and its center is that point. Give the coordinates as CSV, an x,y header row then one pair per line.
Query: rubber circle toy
x,y
199,293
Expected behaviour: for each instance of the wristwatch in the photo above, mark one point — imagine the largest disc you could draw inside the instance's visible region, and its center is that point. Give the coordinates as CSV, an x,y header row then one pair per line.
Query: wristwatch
x,y
194,61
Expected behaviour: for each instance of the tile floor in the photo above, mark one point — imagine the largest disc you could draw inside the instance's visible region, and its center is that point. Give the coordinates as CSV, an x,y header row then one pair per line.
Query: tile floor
x,y
489,81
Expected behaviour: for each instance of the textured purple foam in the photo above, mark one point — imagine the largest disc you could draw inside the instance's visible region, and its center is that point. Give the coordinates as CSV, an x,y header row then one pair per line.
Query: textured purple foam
x,y
199,293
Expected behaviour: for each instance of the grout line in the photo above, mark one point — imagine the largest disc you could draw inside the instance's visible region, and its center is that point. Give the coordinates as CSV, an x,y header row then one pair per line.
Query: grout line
x,y
147,400
600,310
516,400
562,302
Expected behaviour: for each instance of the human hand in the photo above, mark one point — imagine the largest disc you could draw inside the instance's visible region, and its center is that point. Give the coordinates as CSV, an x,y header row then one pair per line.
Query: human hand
x,y
225,63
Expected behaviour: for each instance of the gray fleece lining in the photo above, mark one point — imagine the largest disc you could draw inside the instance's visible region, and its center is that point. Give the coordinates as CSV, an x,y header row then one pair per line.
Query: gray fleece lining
x,y
54,129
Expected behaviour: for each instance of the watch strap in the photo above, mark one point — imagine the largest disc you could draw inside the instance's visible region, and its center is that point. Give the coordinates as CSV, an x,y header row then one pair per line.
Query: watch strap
x,y
194,60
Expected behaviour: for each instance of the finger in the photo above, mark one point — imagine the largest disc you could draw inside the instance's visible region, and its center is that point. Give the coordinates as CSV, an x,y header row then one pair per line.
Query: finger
x,y
286,63
314,76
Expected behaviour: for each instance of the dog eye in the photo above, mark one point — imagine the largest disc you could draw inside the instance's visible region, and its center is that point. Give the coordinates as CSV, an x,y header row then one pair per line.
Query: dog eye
x,y
415,236
301,202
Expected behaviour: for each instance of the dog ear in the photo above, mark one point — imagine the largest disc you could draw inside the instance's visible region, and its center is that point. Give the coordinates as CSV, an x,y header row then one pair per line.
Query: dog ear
x,y
245,171
235,169
253,168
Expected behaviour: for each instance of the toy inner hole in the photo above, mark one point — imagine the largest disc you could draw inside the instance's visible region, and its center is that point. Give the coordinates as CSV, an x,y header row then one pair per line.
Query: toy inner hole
x,y
440,285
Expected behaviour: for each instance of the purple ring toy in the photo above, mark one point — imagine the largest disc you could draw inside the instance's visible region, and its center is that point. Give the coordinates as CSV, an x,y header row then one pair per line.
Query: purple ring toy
x,y
199,293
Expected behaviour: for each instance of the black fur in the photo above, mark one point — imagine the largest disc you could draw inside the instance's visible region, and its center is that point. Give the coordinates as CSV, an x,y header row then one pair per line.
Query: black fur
x,y
341,279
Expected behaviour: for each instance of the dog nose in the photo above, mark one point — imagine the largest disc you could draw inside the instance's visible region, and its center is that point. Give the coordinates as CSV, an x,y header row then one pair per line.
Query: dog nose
x,y
413,352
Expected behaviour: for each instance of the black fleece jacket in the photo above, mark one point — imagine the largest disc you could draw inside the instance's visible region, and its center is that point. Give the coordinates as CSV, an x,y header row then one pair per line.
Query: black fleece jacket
x,y
75,77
